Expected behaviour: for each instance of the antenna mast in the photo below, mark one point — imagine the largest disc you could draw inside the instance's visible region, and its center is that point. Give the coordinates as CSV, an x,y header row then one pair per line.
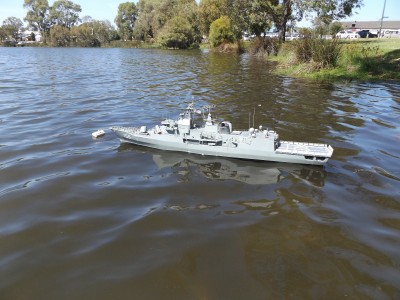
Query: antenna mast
x,y
383,16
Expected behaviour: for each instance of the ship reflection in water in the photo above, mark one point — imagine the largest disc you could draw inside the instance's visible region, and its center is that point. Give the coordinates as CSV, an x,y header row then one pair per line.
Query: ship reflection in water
x,y
218,168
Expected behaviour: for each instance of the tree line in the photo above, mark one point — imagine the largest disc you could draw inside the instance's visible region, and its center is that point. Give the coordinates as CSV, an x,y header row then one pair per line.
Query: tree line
x,y
172,23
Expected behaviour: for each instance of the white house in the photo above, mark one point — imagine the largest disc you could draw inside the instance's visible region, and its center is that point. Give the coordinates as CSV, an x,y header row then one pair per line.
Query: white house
x,y
27,36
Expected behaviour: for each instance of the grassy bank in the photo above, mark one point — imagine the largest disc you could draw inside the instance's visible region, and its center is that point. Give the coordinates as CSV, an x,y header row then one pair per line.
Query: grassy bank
x,y
362,59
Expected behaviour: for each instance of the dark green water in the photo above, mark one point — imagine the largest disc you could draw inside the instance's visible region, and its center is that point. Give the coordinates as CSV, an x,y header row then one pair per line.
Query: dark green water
x,y
93,219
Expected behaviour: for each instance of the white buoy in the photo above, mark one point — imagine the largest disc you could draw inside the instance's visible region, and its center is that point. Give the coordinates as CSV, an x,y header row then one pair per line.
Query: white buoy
x,y
98,133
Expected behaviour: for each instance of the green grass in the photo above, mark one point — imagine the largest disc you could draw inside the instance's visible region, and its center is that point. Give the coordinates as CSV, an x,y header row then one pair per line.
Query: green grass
x,y
362,59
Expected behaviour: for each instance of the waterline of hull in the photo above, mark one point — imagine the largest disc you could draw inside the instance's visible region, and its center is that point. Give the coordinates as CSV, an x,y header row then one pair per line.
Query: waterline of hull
x,y
227,151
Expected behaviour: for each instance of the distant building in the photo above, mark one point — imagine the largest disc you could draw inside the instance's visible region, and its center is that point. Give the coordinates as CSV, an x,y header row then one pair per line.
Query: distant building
x,y
373,26
28,35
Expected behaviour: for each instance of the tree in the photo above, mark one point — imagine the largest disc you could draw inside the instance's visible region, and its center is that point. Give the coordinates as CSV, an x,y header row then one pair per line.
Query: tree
x,y
335,27
104,31
65,13
87,19
83,36
12,26
330,10
281,12
3,34
167,9
259,20
238,13
144,23
93,33
326,10
209,11
60,36
250,16
188,9
38,15
255,16
153,15
177,33
221,31
320,28
126,18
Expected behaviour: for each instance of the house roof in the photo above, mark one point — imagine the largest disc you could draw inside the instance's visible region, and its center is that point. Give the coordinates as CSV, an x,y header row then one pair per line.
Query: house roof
x,y
371,25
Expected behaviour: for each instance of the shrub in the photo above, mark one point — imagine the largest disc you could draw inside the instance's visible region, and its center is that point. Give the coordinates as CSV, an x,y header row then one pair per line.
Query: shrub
x,y
326,52
60,36
230,48
126,44
350,53
323,53
264,46
9,43
221,32
82,36
335,27
369,59
302,49
177,33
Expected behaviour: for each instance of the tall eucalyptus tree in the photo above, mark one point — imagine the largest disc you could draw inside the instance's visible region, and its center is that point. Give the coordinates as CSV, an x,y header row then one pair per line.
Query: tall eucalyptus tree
x,y
38,15
125,19
12,27
65,13
247,14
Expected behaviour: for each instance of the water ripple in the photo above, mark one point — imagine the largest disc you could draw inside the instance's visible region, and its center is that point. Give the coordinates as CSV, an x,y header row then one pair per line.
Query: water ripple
x,y
90,217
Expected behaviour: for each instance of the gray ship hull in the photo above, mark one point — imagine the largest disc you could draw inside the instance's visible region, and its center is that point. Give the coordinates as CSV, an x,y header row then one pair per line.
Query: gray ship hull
x,y
263,146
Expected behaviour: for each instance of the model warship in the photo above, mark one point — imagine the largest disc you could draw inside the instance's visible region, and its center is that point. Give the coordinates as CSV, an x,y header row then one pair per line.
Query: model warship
x,y
219,139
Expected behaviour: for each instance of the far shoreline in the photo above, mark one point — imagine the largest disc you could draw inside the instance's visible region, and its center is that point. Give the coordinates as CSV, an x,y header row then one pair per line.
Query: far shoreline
x,y
361,60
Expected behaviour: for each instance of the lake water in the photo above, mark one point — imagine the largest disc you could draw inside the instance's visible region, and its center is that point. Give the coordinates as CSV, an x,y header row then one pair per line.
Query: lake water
x,y
95,219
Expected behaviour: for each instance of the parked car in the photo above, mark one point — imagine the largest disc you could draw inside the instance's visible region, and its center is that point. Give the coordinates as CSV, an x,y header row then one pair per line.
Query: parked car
x,y
291,37
366,34
248,36
347,34
391,33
